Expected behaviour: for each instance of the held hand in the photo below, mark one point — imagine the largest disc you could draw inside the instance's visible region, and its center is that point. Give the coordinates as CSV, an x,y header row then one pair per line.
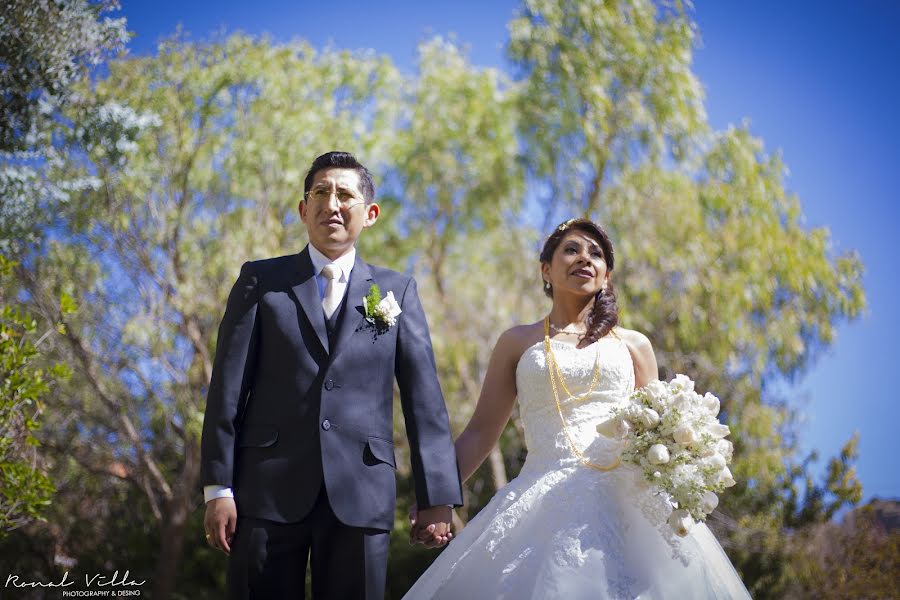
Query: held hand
x,y
413,518
413,530
431,526
220,522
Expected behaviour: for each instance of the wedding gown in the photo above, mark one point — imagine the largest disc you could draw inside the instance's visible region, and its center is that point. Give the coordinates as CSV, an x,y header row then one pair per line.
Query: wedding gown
x,y
563,530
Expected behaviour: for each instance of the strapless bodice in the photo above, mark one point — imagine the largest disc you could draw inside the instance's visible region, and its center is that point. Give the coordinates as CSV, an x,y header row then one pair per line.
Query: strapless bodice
x,y
544,435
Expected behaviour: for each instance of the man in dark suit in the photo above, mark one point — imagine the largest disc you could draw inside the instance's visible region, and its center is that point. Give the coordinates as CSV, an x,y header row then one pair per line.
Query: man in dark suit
x,y
297,449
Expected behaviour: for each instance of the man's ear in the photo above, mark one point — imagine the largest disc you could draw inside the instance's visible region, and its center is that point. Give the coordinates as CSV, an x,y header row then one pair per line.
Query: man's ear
x,y
372,212
301,208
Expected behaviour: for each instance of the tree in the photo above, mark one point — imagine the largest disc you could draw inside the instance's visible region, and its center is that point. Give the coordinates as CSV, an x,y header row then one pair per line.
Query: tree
x,y
606,84
714,264
46,47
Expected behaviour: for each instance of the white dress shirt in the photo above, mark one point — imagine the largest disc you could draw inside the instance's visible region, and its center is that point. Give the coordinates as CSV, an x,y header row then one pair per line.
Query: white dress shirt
x,y
343,263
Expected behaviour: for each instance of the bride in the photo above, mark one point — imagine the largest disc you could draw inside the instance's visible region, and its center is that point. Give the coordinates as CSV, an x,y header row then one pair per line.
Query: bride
x,y
575,523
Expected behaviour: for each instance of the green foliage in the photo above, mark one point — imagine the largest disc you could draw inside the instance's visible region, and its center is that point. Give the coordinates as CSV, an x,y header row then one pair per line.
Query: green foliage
x,y
25,488
606,84
372,299
810,503
858,558
46,48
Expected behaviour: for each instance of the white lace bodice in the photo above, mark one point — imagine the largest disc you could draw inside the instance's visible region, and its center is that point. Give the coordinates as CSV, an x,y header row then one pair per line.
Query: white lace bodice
x,y
544,436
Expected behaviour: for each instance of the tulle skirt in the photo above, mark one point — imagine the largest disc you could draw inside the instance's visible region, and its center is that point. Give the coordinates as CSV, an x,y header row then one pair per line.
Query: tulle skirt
x,y
565,531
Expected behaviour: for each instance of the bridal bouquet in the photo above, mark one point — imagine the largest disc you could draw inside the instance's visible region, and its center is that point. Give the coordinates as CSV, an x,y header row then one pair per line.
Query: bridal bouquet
x,y
673,434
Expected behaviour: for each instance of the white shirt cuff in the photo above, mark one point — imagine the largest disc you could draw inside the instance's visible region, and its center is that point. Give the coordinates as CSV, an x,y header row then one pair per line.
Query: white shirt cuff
x,y
211,492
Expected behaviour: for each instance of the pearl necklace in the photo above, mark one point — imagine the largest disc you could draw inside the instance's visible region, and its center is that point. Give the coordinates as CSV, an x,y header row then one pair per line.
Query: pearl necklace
x,y
566,330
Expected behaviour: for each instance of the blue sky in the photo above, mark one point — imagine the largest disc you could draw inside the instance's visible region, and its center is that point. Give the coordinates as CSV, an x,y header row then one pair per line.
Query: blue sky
x,y
817,80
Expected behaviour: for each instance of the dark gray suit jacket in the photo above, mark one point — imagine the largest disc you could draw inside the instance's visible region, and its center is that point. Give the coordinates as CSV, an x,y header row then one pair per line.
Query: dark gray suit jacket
x,y
288,411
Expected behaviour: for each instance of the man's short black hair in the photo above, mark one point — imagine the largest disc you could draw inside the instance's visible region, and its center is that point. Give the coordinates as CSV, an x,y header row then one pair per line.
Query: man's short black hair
x,y
341,160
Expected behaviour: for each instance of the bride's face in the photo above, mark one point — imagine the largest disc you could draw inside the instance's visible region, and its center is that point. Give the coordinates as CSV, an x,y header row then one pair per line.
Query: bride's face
x,y
578,265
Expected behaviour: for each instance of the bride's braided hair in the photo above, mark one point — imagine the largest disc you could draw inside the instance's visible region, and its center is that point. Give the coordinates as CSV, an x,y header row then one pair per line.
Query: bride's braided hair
x,y
604,314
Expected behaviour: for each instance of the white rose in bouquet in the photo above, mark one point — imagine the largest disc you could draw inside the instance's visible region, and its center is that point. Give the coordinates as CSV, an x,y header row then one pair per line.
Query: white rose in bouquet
x,y
682,401
681,522
711,403
704,449
709,502
684,382
648,417
725,448
617,427
718,430
684,434
658,394
657,389
658,454
726,478
717,461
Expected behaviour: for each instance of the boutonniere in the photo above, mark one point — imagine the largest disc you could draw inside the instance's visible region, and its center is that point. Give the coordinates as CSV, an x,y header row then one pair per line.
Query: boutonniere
x,y
381,313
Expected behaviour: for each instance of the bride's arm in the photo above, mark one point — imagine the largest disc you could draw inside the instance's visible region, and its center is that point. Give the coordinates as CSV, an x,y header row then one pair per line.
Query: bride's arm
x,y
495,404
642,355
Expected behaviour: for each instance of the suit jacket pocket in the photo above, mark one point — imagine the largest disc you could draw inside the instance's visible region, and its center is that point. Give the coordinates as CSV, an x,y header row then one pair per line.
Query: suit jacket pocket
x,y
258,436
381,450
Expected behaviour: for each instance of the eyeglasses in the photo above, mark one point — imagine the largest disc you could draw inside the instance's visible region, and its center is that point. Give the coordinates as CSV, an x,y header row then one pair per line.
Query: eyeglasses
x,y
346,199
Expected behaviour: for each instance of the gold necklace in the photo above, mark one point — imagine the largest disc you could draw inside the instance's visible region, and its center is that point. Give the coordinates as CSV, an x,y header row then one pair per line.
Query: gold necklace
x,y
551,362
553,368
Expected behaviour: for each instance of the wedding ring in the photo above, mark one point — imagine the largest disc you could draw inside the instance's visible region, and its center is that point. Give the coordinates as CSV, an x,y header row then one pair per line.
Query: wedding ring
x,y
208,536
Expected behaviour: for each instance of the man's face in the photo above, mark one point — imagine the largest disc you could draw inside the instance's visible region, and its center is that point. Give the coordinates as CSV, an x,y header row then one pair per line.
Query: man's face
x,y
335,212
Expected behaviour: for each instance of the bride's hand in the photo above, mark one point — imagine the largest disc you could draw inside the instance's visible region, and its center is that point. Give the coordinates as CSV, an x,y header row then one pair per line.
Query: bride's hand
x,y
434,532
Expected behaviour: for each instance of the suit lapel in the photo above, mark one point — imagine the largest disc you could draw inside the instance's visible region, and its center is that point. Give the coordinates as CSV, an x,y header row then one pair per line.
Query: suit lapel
x,y
360,280
307,292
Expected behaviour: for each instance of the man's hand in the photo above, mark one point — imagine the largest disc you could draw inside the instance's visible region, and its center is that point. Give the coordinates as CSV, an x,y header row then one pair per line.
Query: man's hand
x,y
220,522
430,526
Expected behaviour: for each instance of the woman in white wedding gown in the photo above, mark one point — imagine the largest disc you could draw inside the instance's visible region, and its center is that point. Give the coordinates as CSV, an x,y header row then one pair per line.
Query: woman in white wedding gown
x,y
575,523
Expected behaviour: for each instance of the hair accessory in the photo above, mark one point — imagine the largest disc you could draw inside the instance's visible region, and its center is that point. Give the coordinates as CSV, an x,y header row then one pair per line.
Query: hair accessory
x,y
565,225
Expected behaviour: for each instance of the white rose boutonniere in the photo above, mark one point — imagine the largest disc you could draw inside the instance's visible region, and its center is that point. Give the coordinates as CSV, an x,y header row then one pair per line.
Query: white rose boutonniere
x,y
381,313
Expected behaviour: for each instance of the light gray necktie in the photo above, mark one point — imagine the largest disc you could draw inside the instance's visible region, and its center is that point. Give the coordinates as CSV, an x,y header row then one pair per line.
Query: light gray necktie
x,y
332,297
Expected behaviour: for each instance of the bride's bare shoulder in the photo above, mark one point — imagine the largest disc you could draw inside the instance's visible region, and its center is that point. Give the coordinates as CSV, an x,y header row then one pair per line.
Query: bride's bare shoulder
x,y
642,355
636,341
514,341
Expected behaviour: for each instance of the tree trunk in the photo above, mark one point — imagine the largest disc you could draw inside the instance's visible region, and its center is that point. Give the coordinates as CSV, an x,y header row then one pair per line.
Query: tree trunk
x,y
175,521
498,468
593,205
171,549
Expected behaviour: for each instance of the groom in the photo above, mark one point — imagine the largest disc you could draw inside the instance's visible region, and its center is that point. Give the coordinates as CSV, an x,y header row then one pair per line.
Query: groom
x,y
297,450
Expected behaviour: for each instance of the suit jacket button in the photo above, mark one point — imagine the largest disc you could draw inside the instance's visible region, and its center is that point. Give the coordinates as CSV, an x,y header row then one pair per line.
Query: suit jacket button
x,y
326,424
329,385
